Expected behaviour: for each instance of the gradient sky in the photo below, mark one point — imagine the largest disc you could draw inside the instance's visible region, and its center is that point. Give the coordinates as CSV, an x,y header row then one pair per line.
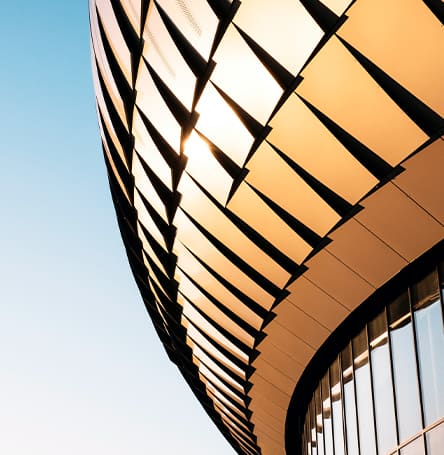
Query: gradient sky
x,y
81,369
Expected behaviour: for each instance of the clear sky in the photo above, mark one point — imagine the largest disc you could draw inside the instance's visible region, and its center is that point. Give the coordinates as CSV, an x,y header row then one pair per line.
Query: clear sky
x,y
81,369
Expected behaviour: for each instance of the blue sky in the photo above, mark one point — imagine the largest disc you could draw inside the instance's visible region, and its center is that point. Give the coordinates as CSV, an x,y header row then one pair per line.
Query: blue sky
x,y
81,370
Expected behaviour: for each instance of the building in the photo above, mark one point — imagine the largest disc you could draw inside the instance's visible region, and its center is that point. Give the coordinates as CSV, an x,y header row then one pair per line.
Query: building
x,y
277,169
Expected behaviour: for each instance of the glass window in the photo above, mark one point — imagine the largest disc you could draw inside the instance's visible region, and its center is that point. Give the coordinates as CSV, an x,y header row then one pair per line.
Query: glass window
x,y
415,447
382,384
314,442
364,394
326,414
430,341
349,401
336,405
305,439
404,366
319,426
435,440
383,394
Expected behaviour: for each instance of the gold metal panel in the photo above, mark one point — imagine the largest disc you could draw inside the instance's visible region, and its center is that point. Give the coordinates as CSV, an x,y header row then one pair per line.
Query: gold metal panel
x,y
192,317
243,86
145,146
192,238
284,28
300,135
338,86
364,253
212,377
146,220
192,293
289,343
200,207
318,304
337,280
216,118
264,390
269,447
195,20
133,10
397,220
247,204
115,36
162,54
152,105
275,356
196,271
194,337
145,186
271,373
272,176
337,6
203,166
300,324
268,424
422,179
404,39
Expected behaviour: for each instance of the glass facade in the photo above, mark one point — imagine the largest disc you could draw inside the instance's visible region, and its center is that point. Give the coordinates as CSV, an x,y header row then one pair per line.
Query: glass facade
x,y
384,394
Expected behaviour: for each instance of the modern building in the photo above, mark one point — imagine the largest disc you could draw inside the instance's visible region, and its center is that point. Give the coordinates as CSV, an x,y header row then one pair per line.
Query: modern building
x,y
277,173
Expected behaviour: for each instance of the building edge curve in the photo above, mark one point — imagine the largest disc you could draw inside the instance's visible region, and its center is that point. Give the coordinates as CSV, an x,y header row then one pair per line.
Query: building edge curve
x,y
249,220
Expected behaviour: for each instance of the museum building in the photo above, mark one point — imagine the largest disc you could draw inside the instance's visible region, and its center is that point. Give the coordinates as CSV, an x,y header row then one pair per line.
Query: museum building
x,y
277,174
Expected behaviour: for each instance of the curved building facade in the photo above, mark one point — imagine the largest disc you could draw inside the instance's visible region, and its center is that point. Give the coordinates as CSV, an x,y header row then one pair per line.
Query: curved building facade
x,y
276,169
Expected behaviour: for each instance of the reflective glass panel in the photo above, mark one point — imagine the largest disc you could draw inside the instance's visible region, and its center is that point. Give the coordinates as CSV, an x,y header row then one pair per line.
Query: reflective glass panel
x,y
314,442
336,404
382,384
349,401
319,426
383,394
326,414
430,345
364,394
404,366
306,440
416,447
435,440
